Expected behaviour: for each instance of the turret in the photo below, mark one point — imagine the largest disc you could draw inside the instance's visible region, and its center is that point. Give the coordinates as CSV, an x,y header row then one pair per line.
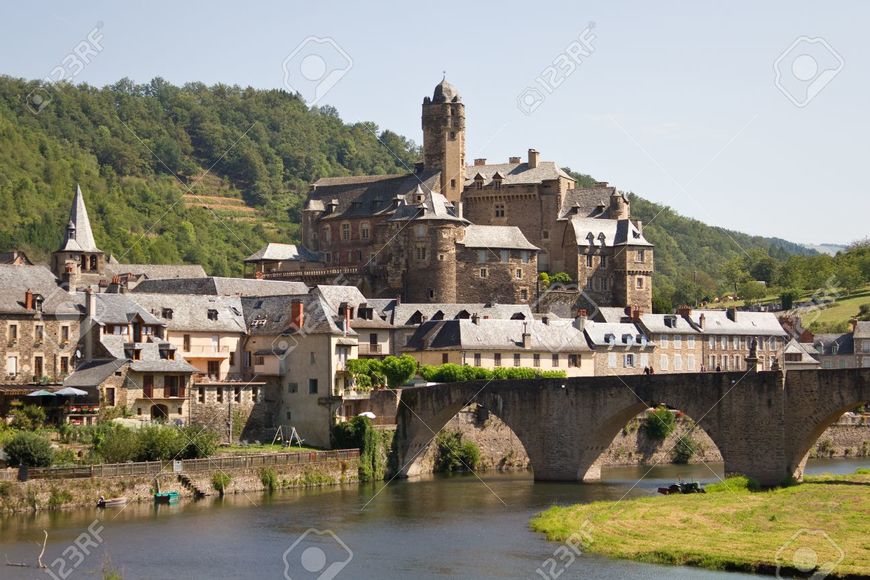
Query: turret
x,y
444,138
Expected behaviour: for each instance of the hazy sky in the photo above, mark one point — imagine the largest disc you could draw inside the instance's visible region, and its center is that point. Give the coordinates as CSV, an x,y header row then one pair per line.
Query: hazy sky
x,y
678,102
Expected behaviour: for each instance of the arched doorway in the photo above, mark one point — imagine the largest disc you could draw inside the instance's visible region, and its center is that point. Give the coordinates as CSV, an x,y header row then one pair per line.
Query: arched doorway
x,y
159,412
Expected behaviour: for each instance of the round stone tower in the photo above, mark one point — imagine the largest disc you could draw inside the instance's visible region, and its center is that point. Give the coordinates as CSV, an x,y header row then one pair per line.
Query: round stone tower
x,y
444,138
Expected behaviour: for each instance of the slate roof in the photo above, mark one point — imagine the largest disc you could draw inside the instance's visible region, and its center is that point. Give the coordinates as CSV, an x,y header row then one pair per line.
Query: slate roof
x,y
13,256
445,93
606,232
190,311
589,202
217,286
624,334
405,314
498,237
656,323
334,295
499,335
366,195
270,315
283,253
157,271
747,323
794,347
515,173
83,239
432,206
93,373
121,309
16,280
825,343
862,329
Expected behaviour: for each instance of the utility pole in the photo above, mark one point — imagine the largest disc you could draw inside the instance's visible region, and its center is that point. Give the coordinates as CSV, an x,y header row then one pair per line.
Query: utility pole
x,y
230,418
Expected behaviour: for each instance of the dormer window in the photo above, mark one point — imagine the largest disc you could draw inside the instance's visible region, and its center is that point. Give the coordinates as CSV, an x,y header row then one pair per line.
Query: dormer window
x,y
212,314
496,180
478,181
167,313
610,338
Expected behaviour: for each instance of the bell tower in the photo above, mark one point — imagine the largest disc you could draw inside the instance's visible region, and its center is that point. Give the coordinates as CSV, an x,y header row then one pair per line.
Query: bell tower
x,y
444,138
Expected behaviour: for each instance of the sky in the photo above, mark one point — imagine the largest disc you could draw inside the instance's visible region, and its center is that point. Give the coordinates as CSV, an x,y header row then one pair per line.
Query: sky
x,y
749,117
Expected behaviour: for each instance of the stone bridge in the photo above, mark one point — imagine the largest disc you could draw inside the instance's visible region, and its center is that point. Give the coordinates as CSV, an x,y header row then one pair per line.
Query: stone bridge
x,y
764,423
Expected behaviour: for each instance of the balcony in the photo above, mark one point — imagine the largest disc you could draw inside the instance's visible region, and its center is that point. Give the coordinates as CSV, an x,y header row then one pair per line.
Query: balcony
x,y
205,351
367,348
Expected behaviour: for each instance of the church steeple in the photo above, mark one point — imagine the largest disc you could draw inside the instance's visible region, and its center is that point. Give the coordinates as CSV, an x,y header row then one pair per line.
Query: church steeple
x,y
79,247
79,235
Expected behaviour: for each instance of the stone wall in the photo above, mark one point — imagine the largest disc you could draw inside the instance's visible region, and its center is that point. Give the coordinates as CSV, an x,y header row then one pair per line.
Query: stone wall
x,y
42,494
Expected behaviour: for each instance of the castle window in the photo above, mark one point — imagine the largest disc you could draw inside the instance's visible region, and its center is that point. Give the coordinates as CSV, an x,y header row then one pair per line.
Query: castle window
x,y
519,274
421,253
588,260
524,294
640,256
639,282
345,232
452,184
517,359
420,230
364,231
481,256
477,359
452,135
327,234
554,360
496,183
545,234
13,332
536,360
504,255
38,332
499,207
496,359
484,273
603,261
328,257
431,294
525,256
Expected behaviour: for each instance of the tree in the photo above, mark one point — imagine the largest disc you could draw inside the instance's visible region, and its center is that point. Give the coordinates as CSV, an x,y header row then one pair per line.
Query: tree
x,y
752,291
849,278
560,278
28,418
29,449
734,273
399,369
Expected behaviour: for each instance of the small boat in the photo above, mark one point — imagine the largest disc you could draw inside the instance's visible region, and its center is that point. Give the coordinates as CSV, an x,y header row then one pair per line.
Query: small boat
x,y
167,497
682,488
113,502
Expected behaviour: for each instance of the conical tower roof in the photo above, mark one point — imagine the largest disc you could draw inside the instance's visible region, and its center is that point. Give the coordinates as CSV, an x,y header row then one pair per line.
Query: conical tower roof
x,y
80,236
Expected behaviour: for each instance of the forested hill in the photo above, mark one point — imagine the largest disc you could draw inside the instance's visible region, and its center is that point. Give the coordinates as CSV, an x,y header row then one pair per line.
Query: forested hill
x,y
126,143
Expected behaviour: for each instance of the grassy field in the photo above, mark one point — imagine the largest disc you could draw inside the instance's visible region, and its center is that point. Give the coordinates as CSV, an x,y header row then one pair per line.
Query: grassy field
x,y
822,523
840,311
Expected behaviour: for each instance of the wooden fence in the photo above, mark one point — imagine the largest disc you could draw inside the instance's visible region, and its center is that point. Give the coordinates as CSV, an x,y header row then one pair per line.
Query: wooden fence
x,y
217,463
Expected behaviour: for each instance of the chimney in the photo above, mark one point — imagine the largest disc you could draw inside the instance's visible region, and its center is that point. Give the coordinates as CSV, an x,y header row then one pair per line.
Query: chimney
x,y
702,321
853,325
70,276
514,159
731,313
480,161
28,299
636,313
91,303
475,318
527,337
297,313
580,321
533,158
346,320
398,300
639,225
459,210
258,275
685,311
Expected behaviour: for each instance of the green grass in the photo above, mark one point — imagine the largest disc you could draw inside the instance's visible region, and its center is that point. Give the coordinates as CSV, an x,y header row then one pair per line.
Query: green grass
x,y
841,311
730,527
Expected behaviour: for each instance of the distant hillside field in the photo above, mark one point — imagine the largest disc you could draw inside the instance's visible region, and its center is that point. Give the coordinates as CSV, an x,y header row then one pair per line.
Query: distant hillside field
x,y
207,175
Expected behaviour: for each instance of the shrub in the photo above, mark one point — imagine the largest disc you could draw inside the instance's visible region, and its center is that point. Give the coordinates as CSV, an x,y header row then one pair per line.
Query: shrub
x,y
199,442
29,449
659,423
454,454
220,481
398,369
117,444
684,450
560,278
160,443
58,497
732,484
28,418
269,478
64,457
454,373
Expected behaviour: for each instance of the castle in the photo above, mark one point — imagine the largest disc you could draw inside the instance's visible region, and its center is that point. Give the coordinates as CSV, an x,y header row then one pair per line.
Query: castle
x,y
452,232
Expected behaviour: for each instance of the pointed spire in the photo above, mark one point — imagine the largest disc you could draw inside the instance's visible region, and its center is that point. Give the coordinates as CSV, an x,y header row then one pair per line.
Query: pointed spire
x,y
80,236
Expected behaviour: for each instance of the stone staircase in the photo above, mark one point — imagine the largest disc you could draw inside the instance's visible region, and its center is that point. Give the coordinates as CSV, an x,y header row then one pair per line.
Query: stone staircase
x,y
188,484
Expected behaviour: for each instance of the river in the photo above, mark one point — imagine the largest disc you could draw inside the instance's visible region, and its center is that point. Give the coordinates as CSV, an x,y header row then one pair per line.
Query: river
x,y
435,527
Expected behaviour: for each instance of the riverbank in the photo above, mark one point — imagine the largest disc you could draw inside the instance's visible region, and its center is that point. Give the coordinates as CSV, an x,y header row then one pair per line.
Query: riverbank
x,y
820,524
63,493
